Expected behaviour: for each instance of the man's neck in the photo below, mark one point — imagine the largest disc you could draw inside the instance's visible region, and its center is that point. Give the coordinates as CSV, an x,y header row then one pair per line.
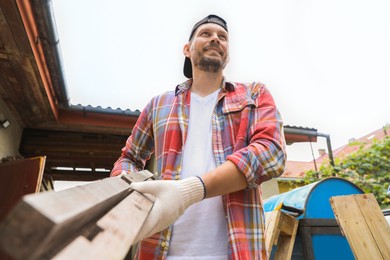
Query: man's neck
x,y
205,83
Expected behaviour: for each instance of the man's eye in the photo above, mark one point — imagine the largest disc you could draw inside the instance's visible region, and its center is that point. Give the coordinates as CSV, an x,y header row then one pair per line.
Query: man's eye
x,y
223,37
204,34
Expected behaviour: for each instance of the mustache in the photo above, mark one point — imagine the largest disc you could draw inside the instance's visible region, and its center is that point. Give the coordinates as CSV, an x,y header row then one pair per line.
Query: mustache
x,y
214,46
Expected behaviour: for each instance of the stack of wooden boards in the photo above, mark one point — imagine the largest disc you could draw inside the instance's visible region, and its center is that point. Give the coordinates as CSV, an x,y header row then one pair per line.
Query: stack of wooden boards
x,y
95,221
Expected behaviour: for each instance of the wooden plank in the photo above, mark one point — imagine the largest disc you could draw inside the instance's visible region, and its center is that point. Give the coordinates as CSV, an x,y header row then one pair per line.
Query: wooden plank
x,y
41,223
363,224
288,231
85,150
281,230
19,38
307,242
284,250
321,226
60,175
7,26
325,231
376,222
288,224
318,222
27,75
119,228
271,230
18,178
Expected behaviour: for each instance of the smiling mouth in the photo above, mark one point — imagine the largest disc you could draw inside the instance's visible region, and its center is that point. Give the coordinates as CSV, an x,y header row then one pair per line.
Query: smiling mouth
x,y
213,49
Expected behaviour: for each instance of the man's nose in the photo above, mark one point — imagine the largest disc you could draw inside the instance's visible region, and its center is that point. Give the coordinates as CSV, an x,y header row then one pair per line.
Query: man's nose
x,y
215,38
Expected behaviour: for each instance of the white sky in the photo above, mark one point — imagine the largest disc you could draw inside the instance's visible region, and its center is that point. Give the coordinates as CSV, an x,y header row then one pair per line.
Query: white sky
x,y
327,63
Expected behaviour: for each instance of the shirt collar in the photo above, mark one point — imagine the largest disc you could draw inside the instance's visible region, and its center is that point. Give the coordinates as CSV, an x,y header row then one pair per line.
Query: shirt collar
x,y
226,85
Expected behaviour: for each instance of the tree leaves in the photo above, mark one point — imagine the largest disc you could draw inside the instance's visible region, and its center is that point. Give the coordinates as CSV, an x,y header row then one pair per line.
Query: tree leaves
x,y
368,168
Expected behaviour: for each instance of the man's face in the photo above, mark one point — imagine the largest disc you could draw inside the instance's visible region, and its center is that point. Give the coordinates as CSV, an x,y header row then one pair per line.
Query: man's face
x,y
209,48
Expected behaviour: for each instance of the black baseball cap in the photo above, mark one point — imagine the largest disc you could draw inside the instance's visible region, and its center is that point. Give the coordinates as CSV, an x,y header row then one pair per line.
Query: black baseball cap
x,y
212,18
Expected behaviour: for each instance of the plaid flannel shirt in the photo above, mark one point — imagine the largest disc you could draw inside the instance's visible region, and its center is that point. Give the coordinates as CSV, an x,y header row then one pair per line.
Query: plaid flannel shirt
x,y
247,129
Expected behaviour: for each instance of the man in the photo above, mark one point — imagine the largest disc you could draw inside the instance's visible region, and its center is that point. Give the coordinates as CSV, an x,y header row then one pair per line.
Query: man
x,y
215,142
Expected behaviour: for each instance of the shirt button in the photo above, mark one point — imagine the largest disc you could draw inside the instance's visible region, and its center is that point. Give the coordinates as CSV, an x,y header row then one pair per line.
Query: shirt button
x,y
163,244
177,177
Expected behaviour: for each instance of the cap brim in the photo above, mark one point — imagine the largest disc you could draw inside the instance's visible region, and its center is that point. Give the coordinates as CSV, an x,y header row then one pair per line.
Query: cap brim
x,y
187,68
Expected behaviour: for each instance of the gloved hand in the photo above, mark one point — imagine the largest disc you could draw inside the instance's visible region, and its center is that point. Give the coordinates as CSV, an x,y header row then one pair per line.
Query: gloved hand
x,y
172,198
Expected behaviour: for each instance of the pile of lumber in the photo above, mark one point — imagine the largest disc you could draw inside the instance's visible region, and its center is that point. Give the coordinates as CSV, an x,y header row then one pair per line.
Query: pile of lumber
x,y
98,220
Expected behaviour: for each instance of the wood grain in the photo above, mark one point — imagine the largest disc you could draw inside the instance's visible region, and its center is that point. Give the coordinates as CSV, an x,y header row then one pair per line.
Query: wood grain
x,y
363,224
119,227
42,224
281,231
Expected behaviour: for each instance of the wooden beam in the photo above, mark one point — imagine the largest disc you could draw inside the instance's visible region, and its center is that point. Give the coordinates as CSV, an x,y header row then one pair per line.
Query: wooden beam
x,y
31,29
79,117
61,175
117,231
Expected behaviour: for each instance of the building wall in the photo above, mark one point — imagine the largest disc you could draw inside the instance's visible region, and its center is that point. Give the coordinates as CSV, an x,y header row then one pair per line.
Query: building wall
x,y
285,186
276,186
270,188
9,137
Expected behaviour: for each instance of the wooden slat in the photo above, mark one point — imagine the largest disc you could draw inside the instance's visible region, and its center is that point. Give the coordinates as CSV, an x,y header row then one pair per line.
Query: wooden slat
x,y
41,223
281,230
8,25
85,136
58,175
271,230
284,248
363,224
81,161
73,149
18,44
307,242
376,222
119,228
318,222
288,231
77,138
34,98
78,159
47,146
18,178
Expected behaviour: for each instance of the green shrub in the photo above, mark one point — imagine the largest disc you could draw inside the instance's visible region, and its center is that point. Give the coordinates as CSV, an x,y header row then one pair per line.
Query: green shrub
x,y
368,168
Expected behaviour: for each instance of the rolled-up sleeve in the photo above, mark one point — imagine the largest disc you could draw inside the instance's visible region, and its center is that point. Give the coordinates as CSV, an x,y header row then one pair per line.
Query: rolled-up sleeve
x,y
263,156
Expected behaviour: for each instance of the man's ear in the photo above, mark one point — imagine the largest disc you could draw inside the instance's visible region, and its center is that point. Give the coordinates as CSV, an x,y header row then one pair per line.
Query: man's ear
x,y
186,50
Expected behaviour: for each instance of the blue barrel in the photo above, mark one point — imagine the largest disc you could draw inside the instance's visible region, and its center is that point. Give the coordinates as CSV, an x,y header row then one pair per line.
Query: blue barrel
x,y
318,235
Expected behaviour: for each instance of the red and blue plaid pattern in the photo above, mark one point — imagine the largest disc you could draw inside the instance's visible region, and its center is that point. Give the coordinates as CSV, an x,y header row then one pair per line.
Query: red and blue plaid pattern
x,y
247,130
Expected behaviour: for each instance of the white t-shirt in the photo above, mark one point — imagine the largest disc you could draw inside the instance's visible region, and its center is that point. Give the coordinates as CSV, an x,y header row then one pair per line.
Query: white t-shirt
x,y
201,232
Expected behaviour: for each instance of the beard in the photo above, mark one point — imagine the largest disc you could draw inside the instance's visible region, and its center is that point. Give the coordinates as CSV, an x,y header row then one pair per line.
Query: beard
x,y
210,64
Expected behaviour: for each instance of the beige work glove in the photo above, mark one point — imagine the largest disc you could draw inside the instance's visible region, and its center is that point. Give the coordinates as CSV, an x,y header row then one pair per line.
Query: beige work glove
x,y
172,198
